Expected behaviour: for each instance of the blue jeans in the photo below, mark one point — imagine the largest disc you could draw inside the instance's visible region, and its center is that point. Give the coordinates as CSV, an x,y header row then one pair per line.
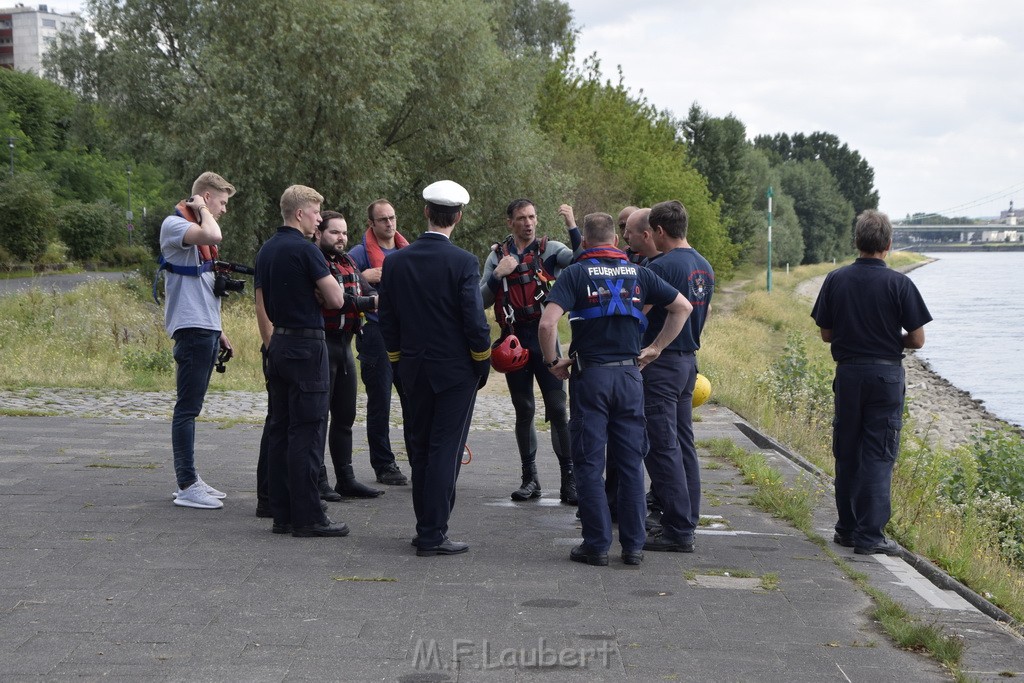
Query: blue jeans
x,y
195,353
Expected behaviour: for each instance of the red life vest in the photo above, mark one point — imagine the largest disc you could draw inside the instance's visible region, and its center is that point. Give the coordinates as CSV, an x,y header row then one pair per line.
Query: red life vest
x,y
348,318
523,291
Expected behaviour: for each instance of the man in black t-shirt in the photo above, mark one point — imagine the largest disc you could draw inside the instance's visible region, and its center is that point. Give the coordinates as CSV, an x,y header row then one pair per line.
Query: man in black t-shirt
x,y
290,270
862,310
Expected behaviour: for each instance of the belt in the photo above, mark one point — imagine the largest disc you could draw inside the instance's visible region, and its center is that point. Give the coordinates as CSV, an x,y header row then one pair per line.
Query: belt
x,y
612,364
868,360
677,352
305,332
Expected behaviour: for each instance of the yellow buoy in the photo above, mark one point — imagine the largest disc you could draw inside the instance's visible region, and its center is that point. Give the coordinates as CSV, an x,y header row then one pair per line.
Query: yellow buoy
x,y
701,390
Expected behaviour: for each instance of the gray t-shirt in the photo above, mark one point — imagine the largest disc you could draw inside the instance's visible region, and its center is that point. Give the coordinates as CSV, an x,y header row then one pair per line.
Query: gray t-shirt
x,y
189,299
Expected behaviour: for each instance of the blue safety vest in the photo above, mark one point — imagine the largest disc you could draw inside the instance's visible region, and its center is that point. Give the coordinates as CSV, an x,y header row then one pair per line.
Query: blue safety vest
x,y
613,290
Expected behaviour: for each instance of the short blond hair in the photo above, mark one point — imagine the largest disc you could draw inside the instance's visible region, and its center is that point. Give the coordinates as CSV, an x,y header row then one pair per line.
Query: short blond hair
x,y
210,181
297,197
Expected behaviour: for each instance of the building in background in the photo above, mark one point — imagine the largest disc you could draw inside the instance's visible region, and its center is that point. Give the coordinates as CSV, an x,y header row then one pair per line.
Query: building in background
x,y
27,32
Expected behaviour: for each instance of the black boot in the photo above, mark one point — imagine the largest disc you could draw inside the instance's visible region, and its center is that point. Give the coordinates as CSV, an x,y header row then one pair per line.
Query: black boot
x,y
531,486
326,492
348,487
567,494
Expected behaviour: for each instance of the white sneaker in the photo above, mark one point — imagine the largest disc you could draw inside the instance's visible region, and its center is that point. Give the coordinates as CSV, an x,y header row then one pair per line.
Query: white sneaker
x,y
210,490
195,496
206,487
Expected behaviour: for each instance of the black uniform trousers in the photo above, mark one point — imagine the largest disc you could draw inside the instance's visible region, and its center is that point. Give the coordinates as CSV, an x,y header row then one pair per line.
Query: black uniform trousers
x,y
437,425
297,373
865,442
343,388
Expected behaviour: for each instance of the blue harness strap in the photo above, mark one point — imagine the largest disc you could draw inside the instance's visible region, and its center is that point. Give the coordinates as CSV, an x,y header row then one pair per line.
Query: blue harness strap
x,y
614,297
191,271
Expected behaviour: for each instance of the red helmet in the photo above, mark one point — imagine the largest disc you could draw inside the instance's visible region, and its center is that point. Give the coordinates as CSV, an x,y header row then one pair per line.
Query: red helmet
x,y
508,355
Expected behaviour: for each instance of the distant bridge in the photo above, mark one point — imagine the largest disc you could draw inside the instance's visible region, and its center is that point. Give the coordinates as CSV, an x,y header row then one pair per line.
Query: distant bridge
x,y
974,227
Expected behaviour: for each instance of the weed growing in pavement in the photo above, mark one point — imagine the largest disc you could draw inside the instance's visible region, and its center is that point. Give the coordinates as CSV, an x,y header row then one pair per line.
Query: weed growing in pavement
x,y
795,505
905,630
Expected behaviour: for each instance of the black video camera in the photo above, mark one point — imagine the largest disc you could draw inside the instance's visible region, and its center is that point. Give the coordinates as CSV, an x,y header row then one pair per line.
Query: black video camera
x,y
224,284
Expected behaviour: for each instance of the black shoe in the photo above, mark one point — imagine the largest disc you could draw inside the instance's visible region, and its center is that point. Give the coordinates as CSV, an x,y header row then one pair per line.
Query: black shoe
x,y
392,476
355,489
633,557
328,529
329,494
529,489
447,547
567,494
652,522
580,554
845,541
660,543
263,511
281,528
886,547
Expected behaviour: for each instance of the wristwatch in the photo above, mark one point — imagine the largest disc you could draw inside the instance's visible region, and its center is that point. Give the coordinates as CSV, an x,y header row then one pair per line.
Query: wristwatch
x,y
552,363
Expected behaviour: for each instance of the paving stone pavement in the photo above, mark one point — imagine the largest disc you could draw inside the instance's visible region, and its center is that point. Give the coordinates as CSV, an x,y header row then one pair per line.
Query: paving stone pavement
x,y
101,576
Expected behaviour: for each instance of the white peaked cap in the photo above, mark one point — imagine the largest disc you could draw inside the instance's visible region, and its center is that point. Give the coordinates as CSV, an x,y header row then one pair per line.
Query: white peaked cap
x,y
446,193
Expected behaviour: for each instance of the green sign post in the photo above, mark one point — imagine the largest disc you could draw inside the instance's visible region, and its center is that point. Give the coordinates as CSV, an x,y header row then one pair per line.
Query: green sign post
x,y
769,238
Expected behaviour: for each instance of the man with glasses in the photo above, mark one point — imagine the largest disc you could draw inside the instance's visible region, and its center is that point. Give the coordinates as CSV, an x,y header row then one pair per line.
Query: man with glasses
x,y
381,238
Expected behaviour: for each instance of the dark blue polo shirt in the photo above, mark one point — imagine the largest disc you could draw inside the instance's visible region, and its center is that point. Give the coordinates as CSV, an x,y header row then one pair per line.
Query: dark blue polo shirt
x,y
691,274
288,267
614,337
867,305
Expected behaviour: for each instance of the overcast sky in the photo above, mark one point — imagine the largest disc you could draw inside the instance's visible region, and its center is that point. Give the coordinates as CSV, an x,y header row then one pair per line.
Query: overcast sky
x,y
930,92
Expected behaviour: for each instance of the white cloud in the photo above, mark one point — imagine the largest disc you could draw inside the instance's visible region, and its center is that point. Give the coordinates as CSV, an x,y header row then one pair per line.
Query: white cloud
x,y
928,92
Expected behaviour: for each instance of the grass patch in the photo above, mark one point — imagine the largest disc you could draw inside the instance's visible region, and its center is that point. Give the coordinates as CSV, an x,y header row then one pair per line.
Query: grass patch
x,y
794,505
27,412
372,579
770,581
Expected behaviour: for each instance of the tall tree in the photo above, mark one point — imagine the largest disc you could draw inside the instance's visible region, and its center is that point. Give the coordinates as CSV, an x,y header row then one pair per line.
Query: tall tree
x,y
634,142
718,148
358,98
854,176
787,238
825,215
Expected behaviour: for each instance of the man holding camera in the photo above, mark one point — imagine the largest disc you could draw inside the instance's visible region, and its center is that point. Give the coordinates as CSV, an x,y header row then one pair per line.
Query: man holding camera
x,y
188,250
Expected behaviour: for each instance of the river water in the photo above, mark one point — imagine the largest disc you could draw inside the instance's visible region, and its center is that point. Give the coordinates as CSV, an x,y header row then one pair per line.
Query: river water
x,y
976,340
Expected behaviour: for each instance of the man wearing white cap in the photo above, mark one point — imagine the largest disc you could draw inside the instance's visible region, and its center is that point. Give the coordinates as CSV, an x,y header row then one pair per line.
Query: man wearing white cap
x,y
435,331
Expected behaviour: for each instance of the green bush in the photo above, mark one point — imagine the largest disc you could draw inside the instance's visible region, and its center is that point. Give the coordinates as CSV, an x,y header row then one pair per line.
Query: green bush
x,y
137,359
26,215
799,385
125,257
55,254
989,484
89,229
7,260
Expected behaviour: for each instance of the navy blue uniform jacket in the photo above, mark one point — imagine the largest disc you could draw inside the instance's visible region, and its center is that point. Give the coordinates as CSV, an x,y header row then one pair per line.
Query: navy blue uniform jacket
x,y
431,312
